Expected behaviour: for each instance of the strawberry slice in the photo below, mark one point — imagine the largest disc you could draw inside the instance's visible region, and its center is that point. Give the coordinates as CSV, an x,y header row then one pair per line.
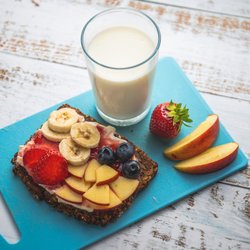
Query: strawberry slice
x,y
107,137
39,139
94,153
32,156
52,169
109,142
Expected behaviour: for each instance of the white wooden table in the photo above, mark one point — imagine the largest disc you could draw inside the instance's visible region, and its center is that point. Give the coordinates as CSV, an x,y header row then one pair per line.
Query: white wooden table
x,y
41,64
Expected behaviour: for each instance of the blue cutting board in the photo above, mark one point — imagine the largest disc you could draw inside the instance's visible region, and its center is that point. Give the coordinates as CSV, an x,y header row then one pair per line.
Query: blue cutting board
x,y
41,227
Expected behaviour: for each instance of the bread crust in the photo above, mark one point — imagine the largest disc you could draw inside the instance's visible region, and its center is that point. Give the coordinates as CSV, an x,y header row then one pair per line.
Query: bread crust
x,y
97,217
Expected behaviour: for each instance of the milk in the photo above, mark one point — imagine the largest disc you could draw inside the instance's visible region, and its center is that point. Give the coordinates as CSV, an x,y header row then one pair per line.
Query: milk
x,y
121,93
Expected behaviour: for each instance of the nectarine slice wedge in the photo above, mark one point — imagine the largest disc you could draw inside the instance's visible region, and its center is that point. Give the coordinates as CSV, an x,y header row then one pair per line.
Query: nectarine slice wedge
x,y
196,142
67,194
77,185
90,172
105,175
77,171
98,194
124,187
114,202
211,160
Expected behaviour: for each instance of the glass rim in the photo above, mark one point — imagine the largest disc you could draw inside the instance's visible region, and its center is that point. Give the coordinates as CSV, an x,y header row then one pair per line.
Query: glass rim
x,y
122,9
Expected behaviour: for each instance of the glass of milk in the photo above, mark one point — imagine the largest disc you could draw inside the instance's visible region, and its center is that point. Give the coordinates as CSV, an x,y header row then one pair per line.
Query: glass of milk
x,y
121,49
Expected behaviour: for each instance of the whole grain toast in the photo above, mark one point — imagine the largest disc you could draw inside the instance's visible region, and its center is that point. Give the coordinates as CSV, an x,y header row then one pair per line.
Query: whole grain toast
x,y
97,217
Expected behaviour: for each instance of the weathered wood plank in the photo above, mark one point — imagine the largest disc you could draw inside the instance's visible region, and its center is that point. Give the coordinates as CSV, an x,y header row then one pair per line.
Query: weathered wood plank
x,y
231,7
36,85
212,49
241,179
215,218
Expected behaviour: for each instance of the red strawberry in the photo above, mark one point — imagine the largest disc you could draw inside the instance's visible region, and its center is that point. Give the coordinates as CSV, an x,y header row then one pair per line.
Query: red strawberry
x,y
167,119
109,142
32,156
100,129
52,169
39,139
107,137
94,153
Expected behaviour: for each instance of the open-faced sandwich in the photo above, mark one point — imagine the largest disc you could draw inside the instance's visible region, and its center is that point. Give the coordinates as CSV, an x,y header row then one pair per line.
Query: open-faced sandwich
x,y
83,168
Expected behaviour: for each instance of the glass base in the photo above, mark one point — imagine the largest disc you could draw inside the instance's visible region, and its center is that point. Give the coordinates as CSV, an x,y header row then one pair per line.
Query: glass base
x,y
123,123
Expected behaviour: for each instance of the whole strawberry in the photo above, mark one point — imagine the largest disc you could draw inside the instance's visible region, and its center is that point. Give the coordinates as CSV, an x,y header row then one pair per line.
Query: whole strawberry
x,y
167,119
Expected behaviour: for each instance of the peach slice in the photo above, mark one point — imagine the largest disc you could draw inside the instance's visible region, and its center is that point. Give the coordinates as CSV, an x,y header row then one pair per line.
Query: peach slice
x,y
114,202
211,160
124,187
77,171
98,194
67,194
196,142
105,175
90,172
77,185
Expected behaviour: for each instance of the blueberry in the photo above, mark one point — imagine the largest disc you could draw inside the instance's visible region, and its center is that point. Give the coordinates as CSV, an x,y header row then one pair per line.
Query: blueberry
x,y
106,156
131,169
125,151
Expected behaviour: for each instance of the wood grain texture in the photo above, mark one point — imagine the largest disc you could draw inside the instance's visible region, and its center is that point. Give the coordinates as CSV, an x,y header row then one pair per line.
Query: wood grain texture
x,y
212,49
36,86
237,8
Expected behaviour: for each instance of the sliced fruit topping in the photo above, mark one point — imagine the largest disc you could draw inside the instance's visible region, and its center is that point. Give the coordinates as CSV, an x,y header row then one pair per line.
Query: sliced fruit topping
x,y
77,171
39,139
106,156
67,194
73,153
114,202
131,169
124,187
105,175
167,119
197,141
98,194
109,142
125,151
52,169
108,137
94,153
90,173
32,156
61,120
100,128
85,134
211,160
52,135
78,185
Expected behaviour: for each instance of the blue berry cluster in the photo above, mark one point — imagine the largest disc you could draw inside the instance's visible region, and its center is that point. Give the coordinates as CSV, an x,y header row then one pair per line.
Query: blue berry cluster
x,y
124,152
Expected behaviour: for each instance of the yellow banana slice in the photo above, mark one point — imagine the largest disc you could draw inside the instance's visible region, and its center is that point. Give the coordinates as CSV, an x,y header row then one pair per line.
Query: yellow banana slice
x,y
51,135
73,153
85,134
61,120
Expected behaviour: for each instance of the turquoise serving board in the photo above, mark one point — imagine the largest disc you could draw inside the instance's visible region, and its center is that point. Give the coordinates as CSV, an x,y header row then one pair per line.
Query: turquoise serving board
x,y
41,227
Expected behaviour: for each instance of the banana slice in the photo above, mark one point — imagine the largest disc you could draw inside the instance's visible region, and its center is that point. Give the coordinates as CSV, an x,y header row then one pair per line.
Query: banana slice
x,y
85,134
51,135
73,153
61,120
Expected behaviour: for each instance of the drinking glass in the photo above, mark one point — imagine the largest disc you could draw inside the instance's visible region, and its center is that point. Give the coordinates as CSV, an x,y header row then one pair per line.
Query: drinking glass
x,y
122,91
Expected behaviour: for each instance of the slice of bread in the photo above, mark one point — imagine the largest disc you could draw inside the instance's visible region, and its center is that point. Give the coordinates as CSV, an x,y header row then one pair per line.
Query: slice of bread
x,y
148,171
